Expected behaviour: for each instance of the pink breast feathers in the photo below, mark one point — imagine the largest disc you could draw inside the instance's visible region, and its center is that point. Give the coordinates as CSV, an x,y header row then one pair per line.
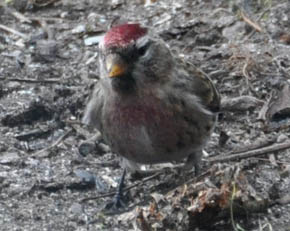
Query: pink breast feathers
x,y
139,115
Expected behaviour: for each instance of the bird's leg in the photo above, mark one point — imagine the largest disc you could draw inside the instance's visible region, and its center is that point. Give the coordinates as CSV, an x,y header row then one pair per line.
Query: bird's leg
x,y
194,160
118,202
119,194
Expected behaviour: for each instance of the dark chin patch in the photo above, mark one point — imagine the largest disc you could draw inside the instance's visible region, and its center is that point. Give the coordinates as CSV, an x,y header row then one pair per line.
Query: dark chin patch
x,y
124,84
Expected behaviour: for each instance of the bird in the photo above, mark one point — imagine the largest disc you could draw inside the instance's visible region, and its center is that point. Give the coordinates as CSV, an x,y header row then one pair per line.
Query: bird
x,y
150,105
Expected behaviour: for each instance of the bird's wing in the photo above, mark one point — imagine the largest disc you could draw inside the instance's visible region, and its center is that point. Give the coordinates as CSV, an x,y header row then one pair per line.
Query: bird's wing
x,y
93,110
203,87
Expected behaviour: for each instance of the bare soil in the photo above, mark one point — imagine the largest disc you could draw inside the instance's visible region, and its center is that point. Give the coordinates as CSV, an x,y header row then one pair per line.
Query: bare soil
x,y
54,176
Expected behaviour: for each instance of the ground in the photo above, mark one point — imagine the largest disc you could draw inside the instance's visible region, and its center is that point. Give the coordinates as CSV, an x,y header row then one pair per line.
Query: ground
x,y
55,176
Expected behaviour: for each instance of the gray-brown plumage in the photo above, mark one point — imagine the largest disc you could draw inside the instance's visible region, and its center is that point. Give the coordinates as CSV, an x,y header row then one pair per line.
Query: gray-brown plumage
x,y
150,106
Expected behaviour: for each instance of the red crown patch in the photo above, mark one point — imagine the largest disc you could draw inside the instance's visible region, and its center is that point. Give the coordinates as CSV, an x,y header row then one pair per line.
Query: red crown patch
x,y
124,34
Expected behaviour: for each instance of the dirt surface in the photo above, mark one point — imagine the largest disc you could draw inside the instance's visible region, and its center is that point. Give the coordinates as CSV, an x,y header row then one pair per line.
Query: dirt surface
x,y
54,176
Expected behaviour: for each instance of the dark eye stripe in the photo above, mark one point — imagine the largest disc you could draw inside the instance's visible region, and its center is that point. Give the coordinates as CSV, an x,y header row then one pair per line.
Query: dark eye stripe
x,y
142,50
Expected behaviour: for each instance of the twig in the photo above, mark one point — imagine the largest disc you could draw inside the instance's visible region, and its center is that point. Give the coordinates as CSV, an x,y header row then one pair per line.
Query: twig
x,y
245,72
52,81
47,19
251,23
45,3
216,11
256,152
258,19
261,143
240,103
57,142
18,15
12,31
267,160
262,113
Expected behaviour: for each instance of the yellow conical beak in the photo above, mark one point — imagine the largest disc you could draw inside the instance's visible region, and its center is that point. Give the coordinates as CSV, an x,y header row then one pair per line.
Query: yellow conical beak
x,y
115,65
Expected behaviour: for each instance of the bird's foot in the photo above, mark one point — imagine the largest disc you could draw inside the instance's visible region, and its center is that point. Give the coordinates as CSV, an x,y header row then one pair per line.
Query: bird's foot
x,y
118,203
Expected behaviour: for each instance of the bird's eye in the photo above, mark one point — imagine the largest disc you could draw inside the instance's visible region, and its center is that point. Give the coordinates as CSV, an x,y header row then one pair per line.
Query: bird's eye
x,y
142,49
